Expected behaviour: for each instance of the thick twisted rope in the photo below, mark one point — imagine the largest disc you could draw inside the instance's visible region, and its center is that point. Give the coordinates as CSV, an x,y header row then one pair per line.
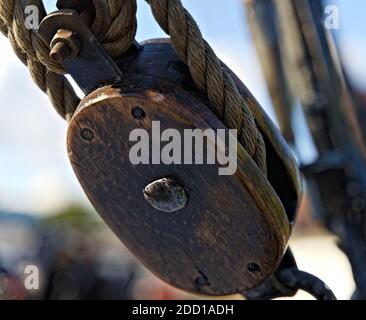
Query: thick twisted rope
x,y
209,75
35,54
206,69
122,31
24,42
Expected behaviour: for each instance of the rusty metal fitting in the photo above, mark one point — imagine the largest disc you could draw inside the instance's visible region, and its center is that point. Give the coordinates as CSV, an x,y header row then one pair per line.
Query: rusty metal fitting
x,y
65,44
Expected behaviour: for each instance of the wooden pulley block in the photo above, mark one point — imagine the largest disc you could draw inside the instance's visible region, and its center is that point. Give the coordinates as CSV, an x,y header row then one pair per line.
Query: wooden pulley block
x,y
197,229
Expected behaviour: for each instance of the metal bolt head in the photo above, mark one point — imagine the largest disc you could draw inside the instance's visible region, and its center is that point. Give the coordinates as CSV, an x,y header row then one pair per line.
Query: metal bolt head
x,y
65,44
166,195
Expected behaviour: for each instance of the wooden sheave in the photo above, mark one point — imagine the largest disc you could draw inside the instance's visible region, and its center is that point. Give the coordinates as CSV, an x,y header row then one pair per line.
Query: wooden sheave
x,y
233,231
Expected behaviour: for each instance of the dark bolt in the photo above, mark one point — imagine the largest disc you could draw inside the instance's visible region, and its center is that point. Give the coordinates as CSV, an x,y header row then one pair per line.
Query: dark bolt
x,y
138,113
87,134
201,280
253,267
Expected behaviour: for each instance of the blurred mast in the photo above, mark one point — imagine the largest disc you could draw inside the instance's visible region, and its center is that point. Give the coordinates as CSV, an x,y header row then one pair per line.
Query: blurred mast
x,y
309,58
263,25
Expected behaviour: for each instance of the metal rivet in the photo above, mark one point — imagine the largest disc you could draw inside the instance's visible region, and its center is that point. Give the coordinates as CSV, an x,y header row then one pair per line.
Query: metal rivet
x,y
138,113
166,195
87,134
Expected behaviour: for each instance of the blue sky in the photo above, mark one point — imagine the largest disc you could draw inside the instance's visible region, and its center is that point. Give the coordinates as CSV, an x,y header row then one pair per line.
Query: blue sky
x,y
35,175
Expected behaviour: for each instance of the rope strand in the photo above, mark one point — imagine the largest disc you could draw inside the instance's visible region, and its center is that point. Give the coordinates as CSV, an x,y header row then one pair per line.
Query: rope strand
x,y
209,75
206,69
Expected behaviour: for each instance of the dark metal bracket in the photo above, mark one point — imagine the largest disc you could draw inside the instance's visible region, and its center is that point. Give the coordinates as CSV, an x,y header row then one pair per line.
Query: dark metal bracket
x,y
78,50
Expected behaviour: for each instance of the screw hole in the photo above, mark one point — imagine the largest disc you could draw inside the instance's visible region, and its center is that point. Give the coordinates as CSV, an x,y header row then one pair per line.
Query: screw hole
x,y
253,267
201,280
87,134
138,113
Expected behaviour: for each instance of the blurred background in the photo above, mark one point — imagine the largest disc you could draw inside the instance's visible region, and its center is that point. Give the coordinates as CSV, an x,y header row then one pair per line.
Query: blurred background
x,y
45,217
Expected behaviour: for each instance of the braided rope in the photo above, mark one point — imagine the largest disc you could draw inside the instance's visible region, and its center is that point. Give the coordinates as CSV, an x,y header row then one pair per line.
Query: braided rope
x,y
35,54
209,75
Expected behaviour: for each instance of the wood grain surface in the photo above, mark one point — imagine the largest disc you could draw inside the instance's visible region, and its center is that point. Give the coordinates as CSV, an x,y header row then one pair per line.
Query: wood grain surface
x,y
234,229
